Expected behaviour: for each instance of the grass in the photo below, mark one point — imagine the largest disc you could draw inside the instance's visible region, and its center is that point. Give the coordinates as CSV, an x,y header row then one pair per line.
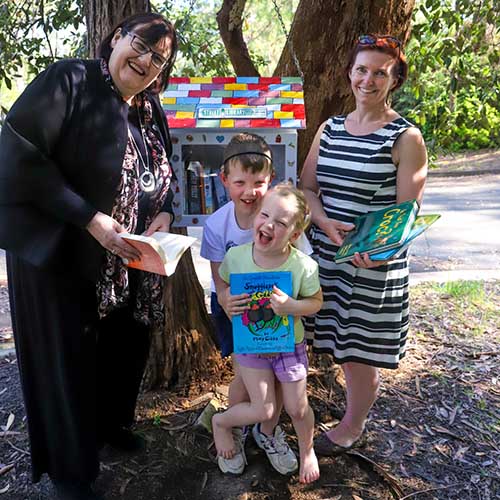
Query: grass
x,y
465,290
468,308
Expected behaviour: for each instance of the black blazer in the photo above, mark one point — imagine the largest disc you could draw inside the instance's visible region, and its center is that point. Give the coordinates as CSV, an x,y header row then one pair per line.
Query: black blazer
x,y
61,153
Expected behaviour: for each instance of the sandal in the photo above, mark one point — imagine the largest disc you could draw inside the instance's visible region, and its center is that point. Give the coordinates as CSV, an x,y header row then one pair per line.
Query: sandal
x,y
324,446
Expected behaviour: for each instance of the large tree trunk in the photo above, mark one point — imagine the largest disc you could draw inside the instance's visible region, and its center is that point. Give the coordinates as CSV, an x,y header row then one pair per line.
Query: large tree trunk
x,y
323,34
230,20
184,348
102,15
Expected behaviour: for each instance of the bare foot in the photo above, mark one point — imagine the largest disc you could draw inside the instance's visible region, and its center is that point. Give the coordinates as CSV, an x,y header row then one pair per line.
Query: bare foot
x,y
223,438
343,435
309,468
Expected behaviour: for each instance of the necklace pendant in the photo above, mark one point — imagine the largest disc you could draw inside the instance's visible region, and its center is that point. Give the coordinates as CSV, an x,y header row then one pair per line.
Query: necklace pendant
x,y
147,182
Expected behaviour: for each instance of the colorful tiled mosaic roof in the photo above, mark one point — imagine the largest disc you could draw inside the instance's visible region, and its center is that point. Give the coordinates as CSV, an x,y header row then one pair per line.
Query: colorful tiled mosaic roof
x,y
235,102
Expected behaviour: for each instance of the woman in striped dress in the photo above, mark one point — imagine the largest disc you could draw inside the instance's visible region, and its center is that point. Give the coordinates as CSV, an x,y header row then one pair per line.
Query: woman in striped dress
x,y
359,163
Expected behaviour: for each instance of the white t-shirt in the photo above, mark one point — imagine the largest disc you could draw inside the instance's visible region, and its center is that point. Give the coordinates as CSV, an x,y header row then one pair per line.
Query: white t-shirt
x,y
220,233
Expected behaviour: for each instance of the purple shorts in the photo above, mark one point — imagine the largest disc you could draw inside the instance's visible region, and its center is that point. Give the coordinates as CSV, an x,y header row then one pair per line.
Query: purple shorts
x,y
287,366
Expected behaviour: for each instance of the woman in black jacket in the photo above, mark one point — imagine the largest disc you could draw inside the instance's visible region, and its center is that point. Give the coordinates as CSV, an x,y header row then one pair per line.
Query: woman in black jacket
x,y
84,157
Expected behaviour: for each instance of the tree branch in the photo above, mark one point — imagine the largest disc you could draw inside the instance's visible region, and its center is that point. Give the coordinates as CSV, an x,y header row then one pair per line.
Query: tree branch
x,y
230,20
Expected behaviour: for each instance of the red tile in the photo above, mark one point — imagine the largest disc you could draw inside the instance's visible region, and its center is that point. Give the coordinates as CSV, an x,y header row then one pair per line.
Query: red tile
x,y
199,93
224,79
235,100
181,122
179,79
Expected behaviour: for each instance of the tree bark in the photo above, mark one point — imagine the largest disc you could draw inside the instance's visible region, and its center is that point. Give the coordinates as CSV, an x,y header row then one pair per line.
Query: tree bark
x,y
323,34
102,16
230,20
185,347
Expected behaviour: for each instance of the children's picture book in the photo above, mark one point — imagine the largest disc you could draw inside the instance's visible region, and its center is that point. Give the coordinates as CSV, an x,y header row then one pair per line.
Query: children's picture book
x,y
258,330
421,224
160,252
378,231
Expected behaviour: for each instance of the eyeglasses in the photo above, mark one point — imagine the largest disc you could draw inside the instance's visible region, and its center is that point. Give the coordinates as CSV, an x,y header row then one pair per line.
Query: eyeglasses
x,y
141,47
380,41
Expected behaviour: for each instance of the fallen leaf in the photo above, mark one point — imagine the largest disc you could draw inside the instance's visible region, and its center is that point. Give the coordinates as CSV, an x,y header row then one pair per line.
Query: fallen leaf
x,y
10,421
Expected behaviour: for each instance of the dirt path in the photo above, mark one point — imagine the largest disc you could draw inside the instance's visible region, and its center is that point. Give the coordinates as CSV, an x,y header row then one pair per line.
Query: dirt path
x,y
433,433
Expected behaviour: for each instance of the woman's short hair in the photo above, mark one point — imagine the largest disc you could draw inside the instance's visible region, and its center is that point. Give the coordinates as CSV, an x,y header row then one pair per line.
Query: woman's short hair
x,y
152,28
399,70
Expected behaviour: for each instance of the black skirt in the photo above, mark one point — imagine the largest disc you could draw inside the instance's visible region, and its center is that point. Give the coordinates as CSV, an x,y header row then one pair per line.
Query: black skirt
x,y
80,375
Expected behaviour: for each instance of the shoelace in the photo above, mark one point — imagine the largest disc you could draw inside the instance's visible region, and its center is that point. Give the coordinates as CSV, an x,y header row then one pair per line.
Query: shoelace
x,y
280,443
277,443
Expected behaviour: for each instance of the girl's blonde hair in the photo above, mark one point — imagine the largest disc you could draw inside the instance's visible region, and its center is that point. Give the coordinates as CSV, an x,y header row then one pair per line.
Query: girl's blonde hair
x,y
303,216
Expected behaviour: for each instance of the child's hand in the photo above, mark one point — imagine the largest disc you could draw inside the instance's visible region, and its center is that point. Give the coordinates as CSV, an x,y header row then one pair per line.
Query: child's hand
x,y
233,304
281,303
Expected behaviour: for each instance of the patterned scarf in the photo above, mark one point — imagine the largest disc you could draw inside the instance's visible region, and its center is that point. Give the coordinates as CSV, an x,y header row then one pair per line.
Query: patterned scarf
x,y
113,285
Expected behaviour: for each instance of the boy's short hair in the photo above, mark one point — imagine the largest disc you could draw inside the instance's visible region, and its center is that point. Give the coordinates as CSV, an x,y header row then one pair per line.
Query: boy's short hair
x,y
251,151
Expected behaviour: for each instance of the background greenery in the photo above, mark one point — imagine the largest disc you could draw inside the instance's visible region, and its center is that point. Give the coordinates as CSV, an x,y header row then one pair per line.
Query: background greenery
x,y
453,92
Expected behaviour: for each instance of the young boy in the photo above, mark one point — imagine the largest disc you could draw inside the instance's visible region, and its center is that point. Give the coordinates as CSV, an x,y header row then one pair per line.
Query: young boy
x,y
246,173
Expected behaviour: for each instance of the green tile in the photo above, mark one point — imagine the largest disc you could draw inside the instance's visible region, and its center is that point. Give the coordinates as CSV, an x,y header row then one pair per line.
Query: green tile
x,y
222,93
279,100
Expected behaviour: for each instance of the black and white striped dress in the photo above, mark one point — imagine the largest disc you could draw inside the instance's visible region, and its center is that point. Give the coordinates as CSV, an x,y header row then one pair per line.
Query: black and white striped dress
x,y
365,312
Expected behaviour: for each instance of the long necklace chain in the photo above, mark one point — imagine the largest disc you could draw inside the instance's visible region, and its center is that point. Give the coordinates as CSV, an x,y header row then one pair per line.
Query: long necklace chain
x,y
147,180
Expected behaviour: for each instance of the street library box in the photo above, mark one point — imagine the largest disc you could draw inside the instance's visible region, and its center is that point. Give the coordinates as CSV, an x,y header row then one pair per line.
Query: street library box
x,y
204,113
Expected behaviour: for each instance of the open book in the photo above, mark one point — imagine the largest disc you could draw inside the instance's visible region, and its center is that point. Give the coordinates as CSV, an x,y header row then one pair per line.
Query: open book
x,y
160,252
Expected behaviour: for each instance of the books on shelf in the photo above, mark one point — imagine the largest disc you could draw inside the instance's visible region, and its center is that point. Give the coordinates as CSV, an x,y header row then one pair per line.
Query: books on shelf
x,y
259,330
421,224
379,231
160,252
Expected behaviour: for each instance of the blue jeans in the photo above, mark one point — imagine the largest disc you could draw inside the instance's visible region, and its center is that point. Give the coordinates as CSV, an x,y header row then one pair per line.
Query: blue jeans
x,y
223,327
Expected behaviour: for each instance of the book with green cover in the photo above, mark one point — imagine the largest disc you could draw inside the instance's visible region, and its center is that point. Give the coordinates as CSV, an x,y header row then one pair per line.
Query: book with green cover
x,y
421,224
378,231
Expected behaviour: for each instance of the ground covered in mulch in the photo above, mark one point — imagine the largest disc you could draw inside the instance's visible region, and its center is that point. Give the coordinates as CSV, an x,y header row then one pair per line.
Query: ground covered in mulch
x,y
433,433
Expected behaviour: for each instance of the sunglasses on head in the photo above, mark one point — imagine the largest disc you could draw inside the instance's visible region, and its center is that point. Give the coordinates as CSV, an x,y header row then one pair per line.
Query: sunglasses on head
x,y
380,41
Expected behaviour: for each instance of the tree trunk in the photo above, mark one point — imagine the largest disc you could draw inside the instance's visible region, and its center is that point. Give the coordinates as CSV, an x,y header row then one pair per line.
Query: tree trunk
x,y
184,348
323,34
103,15
230,20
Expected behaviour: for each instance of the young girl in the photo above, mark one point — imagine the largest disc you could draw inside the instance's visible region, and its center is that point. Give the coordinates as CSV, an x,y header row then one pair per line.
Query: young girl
x,y
280,221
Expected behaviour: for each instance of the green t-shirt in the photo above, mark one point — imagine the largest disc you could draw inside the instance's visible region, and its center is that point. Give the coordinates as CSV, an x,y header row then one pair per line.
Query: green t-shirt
x,y
305,279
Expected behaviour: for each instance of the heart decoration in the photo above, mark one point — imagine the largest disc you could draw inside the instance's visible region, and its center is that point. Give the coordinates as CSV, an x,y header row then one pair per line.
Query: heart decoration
x,y
220,138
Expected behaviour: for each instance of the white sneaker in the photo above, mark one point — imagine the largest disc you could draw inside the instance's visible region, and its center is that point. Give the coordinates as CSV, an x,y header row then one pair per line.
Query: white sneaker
x,y
235,465
278,452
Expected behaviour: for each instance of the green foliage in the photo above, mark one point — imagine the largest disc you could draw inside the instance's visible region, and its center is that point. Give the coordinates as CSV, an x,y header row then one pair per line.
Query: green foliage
x,y
201,51
32,35
453,91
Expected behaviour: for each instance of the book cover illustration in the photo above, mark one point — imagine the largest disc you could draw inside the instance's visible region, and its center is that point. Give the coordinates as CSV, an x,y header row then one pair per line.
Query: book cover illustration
x,y
160,252
379,231
421,224
258,330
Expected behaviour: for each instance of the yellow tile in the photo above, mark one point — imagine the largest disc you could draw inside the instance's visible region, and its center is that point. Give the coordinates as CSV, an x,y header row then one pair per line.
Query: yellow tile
x,y
184,114
168,100
240,106
200,79
235,86
227,123
283,114
295,95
